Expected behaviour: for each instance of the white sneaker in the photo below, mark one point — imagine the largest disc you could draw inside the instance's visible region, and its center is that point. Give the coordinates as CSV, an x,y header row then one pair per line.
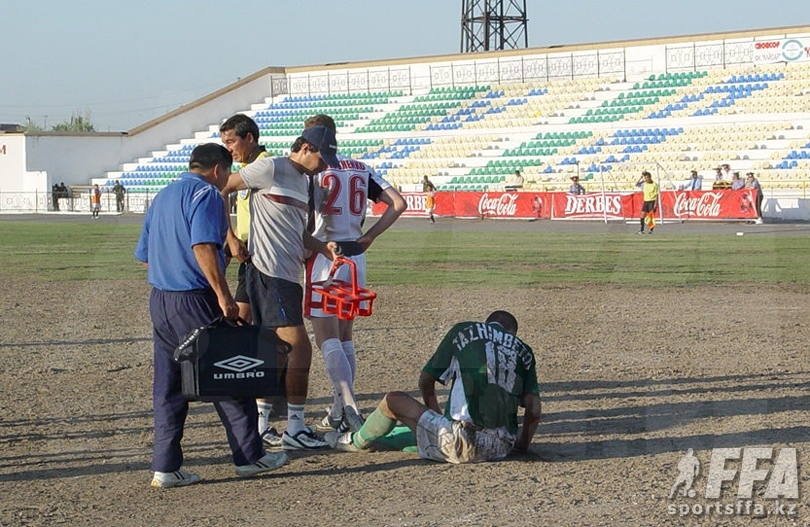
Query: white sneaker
x,y
303,440
342,442
268,462
272,439
330,424
758,222
178,478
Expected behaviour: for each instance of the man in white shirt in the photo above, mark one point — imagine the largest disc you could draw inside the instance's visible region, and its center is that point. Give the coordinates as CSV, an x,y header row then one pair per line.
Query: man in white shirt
x,y
338,197
277,242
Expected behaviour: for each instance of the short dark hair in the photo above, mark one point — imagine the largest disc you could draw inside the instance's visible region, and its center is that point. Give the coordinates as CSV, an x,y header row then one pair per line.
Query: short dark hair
x,y
209,155
645,173
299,143
241,125
505,319
321,119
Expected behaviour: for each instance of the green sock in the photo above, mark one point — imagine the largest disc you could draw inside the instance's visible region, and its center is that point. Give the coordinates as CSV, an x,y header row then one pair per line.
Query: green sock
x,y
376,426
399,438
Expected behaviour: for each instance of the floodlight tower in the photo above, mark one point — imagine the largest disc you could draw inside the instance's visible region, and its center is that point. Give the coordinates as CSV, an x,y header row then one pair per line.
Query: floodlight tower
x,y
493,24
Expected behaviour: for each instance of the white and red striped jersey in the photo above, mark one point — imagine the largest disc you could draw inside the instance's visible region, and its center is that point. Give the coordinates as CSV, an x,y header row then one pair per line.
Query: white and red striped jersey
x,y
339,199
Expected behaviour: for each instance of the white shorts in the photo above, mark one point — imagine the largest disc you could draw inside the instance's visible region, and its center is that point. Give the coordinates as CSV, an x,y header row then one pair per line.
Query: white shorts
x,y
317,270
442,439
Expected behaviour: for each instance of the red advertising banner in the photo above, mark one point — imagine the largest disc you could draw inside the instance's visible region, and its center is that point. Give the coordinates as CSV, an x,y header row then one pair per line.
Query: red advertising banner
x,y
475,204
591,206
709,205
502,205
673,205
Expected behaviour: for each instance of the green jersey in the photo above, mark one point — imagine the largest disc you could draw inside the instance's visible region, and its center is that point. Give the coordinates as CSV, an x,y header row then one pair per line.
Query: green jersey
x,y
489,369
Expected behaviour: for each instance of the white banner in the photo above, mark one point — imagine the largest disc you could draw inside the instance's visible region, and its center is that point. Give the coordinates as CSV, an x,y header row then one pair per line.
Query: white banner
x,y
784,50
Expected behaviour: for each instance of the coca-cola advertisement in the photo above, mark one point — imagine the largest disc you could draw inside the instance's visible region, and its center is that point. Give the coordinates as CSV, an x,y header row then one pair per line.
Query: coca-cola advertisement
x,y
498,205
525,205
674,205
709,205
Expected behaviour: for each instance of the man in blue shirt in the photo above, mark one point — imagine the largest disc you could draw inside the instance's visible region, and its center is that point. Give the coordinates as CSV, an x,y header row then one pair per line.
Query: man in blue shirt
x,y
181,244
695,182
737,183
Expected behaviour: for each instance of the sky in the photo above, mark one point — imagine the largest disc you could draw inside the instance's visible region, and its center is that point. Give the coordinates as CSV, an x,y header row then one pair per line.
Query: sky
x,y
126,62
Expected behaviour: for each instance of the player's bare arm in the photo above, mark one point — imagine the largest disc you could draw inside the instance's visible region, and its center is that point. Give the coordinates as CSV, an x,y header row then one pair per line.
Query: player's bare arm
x,y
237,247
235,183
328,249
396,206
531,418
427,387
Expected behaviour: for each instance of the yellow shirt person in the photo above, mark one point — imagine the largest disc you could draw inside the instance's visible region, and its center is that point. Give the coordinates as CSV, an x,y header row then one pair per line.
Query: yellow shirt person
x,y
649,190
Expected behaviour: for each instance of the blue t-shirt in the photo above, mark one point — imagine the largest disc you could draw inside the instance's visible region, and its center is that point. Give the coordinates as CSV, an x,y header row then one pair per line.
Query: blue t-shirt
x,y
188,212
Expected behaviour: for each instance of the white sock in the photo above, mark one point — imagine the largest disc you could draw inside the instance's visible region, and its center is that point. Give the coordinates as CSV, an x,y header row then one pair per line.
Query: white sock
x,y
348,351
295,418
339,372
265,410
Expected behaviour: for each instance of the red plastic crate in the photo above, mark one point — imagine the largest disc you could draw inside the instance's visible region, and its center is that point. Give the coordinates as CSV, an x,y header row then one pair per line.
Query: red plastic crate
x,y
341,298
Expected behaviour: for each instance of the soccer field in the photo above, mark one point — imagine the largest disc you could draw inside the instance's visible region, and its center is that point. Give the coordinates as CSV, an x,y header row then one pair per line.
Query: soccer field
x,y
465,253
647,346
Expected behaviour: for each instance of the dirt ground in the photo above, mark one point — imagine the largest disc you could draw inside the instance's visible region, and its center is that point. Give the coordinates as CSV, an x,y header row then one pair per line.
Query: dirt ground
x,y
630,380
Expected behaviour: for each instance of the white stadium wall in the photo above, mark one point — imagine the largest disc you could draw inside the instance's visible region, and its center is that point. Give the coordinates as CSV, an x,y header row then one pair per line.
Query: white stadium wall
x,y
76,158
20,189
32,163
628,62
12,162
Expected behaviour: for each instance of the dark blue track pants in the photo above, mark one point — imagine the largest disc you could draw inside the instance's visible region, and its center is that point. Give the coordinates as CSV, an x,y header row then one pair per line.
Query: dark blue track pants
x,y
174,315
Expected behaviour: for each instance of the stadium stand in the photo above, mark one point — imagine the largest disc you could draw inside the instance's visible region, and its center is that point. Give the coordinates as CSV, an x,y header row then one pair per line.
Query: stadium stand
x,y
604,128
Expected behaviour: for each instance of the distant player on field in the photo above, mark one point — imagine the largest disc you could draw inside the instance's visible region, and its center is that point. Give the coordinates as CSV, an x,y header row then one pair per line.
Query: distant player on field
x,y
649,189
430,197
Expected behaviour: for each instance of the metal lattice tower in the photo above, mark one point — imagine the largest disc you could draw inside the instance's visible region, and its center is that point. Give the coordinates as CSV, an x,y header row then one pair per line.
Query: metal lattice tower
x,y
493,24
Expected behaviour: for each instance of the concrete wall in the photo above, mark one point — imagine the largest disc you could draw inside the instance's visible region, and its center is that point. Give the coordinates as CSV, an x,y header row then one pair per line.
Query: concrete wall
x,y
12,161
630,61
